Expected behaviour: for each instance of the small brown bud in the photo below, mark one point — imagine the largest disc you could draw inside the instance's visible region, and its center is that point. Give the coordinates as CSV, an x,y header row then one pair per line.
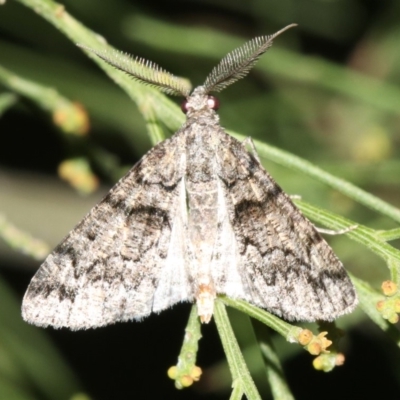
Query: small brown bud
x,y
172,372
340,359
305,337
314,349
393,319
196,373
186,381
380,305
389,288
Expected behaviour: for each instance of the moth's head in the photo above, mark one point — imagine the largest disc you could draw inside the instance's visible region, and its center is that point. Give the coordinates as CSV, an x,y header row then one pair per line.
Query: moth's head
x,y
199,100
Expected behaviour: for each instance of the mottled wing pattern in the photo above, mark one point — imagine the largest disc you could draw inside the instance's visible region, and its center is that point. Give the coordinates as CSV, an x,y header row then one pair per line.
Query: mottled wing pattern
x,y
284,263
126,258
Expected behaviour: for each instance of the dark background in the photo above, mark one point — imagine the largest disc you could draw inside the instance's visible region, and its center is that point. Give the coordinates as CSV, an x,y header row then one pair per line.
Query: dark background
x,y
302,107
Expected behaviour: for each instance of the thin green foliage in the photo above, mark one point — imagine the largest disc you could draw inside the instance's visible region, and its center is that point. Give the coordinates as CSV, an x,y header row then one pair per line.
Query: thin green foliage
x,y
186,371
29,359
7,100
241,379
22,241
279,385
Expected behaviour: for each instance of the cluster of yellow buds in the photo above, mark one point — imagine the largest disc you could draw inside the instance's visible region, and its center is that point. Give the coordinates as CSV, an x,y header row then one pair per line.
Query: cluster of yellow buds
x,y
317,346
78,174
184,380
390,307
72,118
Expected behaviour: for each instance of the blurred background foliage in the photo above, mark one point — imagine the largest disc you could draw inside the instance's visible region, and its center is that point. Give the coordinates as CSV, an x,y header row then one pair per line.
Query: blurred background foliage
x,y
328,91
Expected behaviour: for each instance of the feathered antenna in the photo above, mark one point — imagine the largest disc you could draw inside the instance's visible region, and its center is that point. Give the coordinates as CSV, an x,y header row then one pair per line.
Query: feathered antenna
x,y
144,71
237,64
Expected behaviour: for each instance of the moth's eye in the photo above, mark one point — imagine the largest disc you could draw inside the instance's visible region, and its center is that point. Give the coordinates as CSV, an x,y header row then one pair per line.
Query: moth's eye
x,y
213,102
184,106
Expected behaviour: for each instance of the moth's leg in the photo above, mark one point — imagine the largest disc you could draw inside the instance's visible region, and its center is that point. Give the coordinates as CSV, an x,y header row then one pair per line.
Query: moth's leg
x,y
249,142
328,231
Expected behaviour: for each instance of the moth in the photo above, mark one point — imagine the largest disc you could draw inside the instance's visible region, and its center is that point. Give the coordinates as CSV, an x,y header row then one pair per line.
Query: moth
x,y
196,217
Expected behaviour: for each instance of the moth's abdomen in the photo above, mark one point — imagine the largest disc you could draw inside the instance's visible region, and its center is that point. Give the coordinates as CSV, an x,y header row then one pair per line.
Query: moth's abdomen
x,y
202,226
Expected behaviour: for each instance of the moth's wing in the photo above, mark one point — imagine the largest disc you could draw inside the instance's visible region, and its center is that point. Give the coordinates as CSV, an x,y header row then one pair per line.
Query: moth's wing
x,y
126,258
284,264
